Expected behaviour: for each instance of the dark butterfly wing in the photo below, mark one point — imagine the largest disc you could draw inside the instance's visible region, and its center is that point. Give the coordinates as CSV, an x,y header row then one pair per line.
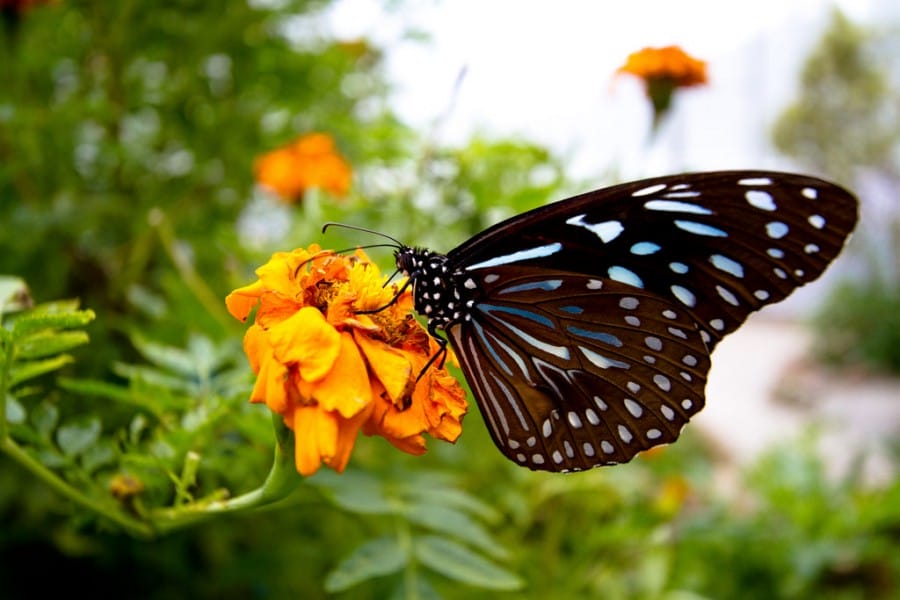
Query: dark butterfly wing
x,y
720,245
572,371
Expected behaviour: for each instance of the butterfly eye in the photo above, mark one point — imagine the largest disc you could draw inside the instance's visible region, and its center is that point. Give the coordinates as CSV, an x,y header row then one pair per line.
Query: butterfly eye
x,y
585,327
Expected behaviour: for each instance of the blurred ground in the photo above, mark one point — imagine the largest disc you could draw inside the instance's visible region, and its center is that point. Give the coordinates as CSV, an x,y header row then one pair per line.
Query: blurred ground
x,y
764,390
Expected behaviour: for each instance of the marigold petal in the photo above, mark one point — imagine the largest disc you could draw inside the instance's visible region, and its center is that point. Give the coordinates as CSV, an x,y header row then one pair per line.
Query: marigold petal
x,y
323,436
346,388
270,387
243,300
392,367
307,340
414,444
315,437
348,429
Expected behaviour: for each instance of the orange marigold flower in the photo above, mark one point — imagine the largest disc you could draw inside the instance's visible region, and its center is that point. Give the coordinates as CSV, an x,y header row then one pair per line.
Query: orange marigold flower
x,y
330,370
670,62
663,70
310,161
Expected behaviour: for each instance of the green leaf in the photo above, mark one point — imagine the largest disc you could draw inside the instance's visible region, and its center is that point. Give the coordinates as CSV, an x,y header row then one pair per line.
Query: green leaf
x,y
36,320
414,586
461,564
432,492
354,491
29,370
48,343
98,455
169,358
98,388
152,377
444,519
76,436
45,417
378,557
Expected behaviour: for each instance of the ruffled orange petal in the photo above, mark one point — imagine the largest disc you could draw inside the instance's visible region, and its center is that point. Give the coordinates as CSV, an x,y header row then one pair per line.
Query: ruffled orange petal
x,y
243,300
414,444
348,429
346,388
315,437
391,367
307,340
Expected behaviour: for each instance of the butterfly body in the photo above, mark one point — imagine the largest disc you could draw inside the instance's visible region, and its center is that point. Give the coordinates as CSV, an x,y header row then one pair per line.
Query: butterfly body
x,y
585,327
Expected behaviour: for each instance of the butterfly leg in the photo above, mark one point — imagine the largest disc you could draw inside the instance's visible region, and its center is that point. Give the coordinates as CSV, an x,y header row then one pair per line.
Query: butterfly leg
x,y
391,303
440,354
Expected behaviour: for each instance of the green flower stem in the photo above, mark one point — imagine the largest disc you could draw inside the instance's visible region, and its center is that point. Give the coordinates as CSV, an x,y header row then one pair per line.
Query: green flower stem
x,y
210,301
112,512
281,481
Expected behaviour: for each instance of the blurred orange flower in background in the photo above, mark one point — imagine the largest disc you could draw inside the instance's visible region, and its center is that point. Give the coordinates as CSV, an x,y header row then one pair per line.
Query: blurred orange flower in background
x,y
331,371
663,70
312,160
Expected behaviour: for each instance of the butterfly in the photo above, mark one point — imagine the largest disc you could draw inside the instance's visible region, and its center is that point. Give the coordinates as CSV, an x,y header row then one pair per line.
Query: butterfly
x,y
585,327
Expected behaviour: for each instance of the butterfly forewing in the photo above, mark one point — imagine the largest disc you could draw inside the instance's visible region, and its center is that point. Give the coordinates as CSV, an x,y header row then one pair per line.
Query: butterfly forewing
x,y
572,372
719,244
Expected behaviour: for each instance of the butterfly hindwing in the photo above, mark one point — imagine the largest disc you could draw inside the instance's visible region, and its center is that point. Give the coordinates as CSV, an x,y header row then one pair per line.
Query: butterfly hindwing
x,y
571,371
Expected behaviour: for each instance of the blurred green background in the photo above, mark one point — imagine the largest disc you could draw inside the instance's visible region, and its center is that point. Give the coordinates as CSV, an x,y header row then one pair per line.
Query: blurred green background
x,y
128,135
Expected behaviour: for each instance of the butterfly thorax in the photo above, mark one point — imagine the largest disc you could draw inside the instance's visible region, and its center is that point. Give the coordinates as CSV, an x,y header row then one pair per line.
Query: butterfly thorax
x,y
442,295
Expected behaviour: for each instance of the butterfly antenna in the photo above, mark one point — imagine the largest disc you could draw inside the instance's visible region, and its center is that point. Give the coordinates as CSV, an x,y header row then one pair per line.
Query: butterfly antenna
x,y
363,229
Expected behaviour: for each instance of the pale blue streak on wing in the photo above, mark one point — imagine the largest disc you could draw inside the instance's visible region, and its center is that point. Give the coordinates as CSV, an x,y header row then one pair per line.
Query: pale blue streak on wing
x,y
700,228
606,338
519,312
548,285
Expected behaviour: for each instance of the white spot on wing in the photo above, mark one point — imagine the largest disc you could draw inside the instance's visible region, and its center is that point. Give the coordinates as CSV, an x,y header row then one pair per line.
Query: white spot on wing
x,y
629,303
633,407
728,265
727,296
676,206
761,200
755,181
776,230
607,231
699,228
684,295
649,190
626,276
645,248
574,420
817,221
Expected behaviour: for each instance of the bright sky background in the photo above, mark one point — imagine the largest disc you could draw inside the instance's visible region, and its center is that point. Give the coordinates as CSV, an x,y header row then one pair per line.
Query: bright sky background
x,y
544,69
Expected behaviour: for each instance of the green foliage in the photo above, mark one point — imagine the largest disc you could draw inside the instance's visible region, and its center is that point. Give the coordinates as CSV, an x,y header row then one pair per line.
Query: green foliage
x,y
424,512
846,116
846,113
860,325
